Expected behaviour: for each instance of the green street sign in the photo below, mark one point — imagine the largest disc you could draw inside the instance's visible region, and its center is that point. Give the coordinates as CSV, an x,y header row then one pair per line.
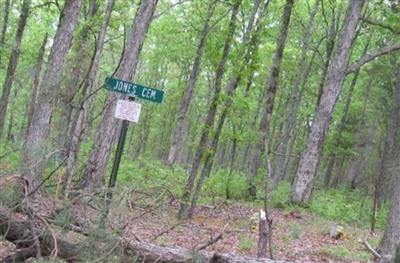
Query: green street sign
x,y
133,89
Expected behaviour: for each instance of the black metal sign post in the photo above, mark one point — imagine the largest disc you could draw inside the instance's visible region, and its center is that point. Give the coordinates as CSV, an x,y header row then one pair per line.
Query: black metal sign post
x,y
132,90
118,155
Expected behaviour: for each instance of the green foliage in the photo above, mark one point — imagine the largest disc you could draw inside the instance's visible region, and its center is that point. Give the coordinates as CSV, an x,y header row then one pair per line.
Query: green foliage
x,y
280,197
345,206
341,252
146,173
245,243
216,185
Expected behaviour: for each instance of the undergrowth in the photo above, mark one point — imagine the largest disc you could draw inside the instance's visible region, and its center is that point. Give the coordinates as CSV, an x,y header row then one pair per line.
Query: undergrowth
x,y
339,205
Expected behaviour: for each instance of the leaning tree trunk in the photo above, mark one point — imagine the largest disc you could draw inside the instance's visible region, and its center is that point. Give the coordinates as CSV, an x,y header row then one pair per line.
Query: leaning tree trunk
x,y
303,183
40,126
343,121
5,26
77,123
94,173
177,135
35,84
184,211
12,63
271,86
390,244
295,100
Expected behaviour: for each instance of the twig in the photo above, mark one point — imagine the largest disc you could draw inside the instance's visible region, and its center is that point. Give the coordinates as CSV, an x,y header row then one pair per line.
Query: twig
x,y
165,231
368,246
54,252
212,241
47,178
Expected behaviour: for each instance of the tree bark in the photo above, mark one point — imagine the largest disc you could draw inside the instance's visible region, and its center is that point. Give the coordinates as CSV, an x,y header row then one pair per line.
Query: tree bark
x,y
40,126
35,83
5,26
343,120
271,86
295,99
303,183
69,91
177,135
390,243
12,63
93,176
77,124
184,211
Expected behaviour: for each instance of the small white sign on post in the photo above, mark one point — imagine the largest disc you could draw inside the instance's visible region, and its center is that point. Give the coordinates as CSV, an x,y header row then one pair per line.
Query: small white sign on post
x,y
128,110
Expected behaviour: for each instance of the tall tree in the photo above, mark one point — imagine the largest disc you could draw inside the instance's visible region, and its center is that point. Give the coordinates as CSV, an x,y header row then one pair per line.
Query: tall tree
x,y
178,133
35,82
303,184
343,120
271,86
184,211
77,123
390,244
295,98
248,49
12,63
39,128
79,68
94,172
4,27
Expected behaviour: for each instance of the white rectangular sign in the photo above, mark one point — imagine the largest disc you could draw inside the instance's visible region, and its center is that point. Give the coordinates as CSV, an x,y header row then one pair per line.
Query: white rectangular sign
x,y
128,110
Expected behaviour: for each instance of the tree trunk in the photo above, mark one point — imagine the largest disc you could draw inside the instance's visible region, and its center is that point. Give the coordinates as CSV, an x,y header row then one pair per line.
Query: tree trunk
x,y
77,124
271,86
35,83
93,176
40,126
390,243
295,99
303,184
184,211
343,119
10,136
12,63
177,135
230,91
5,26
69,91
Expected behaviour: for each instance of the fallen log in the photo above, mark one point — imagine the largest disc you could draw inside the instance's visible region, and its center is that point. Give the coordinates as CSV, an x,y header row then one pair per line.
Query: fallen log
x,y
72,246
148,253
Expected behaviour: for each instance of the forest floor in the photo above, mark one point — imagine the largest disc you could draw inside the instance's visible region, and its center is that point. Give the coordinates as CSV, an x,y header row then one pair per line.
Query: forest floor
x,y
298,235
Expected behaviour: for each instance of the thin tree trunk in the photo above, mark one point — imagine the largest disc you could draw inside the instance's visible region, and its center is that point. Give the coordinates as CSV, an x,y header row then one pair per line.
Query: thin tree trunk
x,y
12,63
77,125
230,91
295,99
390,244
4,27
184,211
93,176
35,83
10,136
271,86
177,135
40,125
303,185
